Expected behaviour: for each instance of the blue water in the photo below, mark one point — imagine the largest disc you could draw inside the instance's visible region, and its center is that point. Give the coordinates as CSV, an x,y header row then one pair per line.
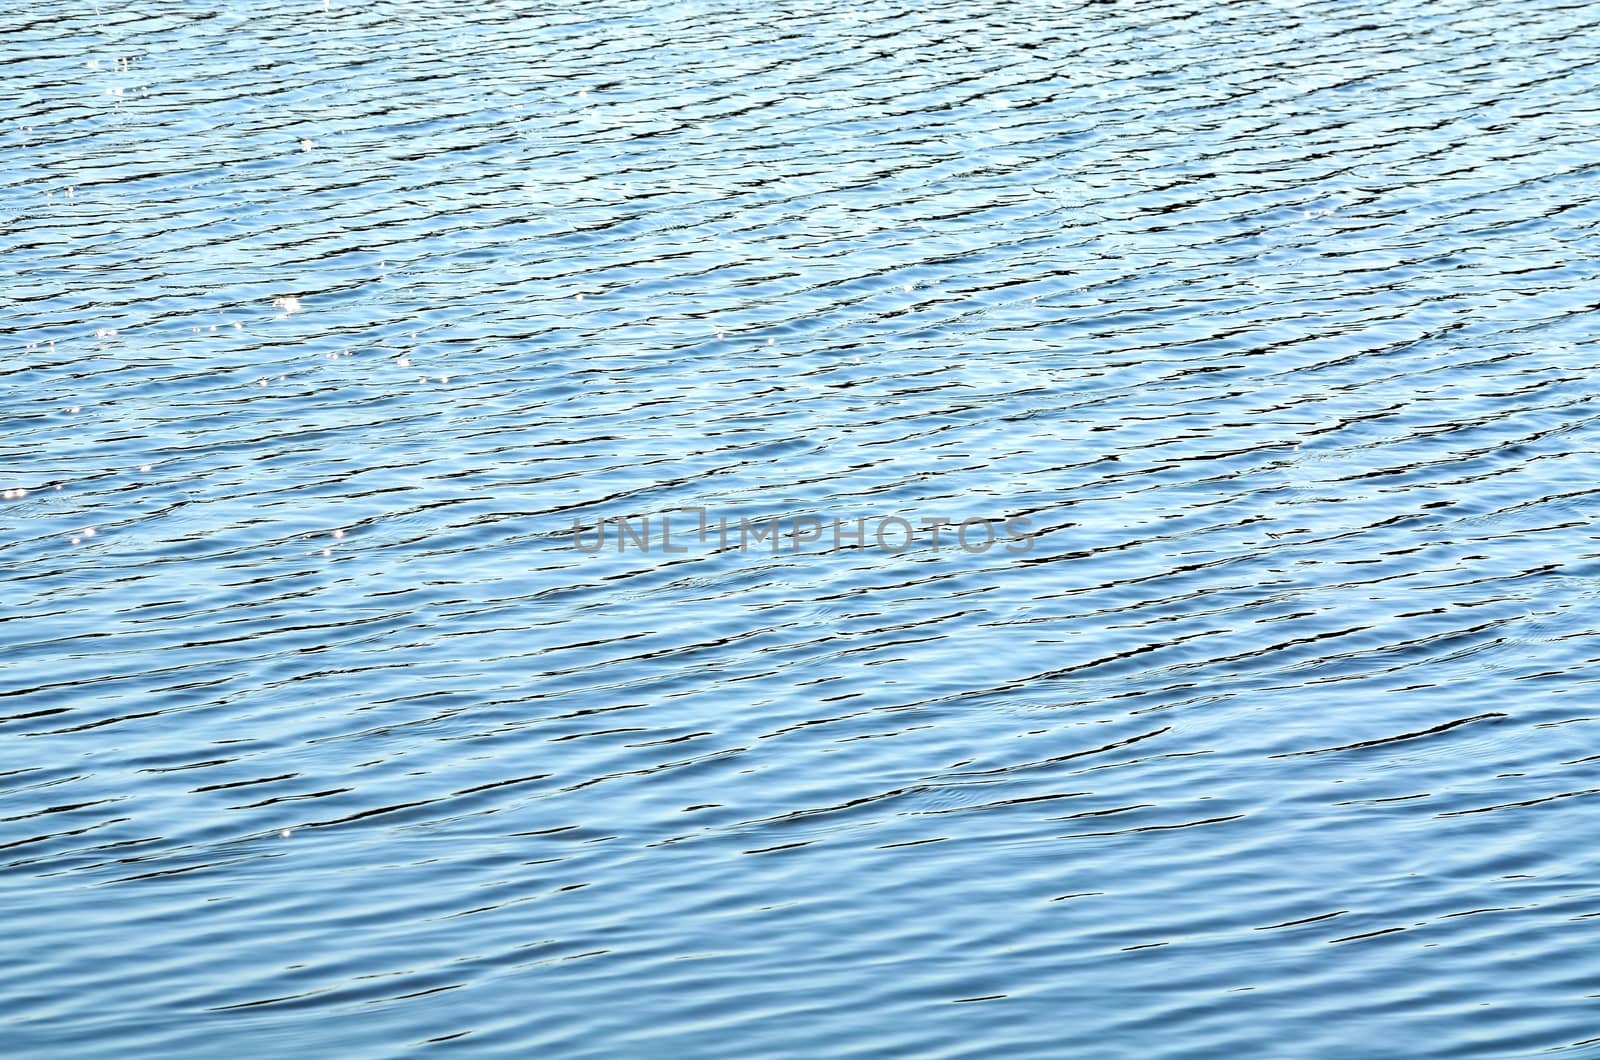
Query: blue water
x,y
333,335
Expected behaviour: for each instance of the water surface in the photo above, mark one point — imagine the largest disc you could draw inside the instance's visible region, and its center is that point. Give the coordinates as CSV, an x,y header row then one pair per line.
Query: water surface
x,y
325,324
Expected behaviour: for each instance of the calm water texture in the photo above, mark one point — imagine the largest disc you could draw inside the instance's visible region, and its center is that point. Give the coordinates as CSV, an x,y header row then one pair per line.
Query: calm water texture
x,y
1277,320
